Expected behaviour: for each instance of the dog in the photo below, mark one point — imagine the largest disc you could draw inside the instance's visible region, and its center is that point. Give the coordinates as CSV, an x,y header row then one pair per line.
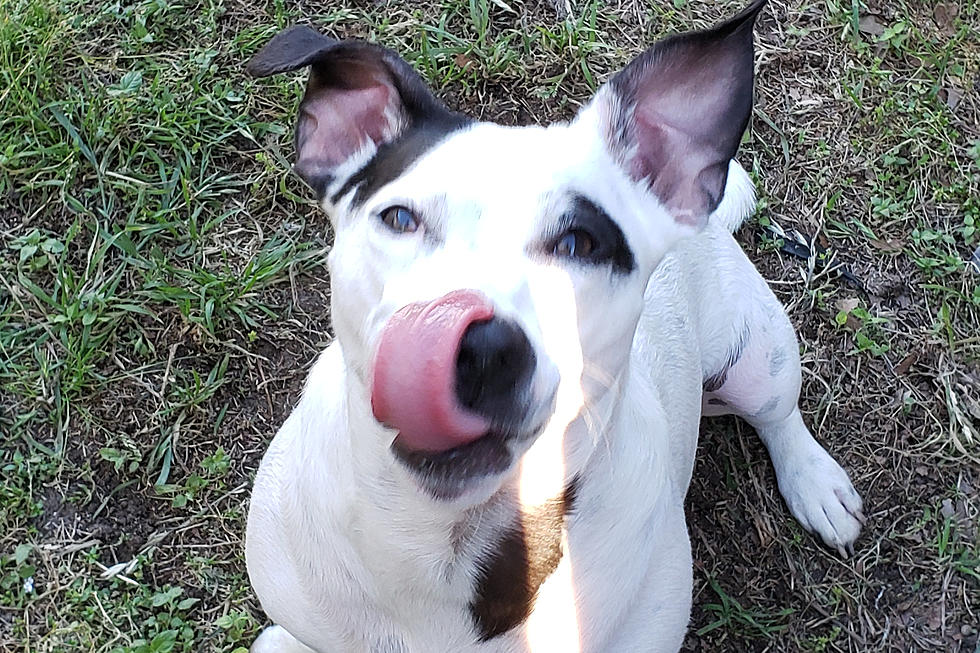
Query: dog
x,y
493,454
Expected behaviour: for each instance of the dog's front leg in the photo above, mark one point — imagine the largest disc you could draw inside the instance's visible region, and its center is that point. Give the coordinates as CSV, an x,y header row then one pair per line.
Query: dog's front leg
x,y
761,383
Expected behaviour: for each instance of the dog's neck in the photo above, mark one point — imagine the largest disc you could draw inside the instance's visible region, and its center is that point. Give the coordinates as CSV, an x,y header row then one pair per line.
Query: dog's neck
x,y
493,556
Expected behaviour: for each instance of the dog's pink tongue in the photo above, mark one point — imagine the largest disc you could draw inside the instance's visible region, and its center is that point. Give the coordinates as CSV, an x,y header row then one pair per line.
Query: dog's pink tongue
x,y
415,373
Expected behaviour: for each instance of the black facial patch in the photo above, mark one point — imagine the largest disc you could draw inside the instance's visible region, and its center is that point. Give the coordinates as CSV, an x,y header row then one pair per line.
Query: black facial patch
x,y
511,574
611,246
394,158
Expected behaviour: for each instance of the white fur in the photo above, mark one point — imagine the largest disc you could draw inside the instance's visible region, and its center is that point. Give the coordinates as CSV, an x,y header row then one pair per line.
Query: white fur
x,y
348,554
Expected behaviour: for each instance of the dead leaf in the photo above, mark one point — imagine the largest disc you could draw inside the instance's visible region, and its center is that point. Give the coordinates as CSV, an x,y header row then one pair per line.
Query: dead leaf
x,y
903,368
869,24
944,14
964,486
947,508
847,305
953,96
463,62
891,245
962,511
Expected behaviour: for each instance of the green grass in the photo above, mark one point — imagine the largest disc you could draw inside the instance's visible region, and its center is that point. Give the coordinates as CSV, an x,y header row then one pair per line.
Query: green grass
x,y
740,621
126,213
162,291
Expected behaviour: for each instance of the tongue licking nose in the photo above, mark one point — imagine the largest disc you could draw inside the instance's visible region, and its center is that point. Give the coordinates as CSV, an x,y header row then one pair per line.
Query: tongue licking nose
x,y
415,373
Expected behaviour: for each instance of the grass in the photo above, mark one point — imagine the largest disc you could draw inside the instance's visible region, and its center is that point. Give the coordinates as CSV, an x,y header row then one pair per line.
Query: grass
x,y
731,616
162,294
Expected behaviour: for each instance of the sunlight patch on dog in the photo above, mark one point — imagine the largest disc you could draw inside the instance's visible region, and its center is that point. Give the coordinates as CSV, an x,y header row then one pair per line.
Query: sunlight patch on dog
x,y
553,626
542,471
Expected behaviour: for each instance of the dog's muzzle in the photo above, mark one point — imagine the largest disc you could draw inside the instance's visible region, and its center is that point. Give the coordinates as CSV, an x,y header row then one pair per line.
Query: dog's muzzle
x,y
449,372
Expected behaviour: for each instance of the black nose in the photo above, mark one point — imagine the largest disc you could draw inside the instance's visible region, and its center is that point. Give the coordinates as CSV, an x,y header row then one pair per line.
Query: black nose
x,y
493,369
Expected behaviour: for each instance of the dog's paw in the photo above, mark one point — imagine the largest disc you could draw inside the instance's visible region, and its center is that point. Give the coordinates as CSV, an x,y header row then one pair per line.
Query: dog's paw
x,y
276,639
822,498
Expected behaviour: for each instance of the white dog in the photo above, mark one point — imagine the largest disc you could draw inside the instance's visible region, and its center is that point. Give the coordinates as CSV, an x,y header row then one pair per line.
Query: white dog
x,y
493,454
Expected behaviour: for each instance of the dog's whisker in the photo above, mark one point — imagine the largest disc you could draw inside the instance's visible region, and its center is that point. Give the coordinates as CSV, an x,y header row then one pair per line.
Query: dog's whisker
x,y
595,372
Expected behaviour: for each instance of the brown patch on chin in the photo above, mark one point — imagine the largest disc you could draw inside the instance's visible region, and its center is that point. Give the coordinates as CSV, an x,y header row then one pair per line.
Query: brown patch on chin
x,y
524,556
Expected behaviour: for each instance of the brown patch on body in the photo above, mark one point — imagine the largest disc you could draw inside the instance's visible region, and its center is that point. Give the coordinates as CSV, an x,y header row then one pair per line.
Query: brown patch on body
x,y
525,555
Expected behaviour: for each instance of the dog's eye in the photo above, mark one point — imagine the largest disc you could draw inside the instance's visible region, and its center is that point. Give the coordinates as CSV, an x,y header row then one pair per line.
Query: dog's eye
x,y
575,243
399,219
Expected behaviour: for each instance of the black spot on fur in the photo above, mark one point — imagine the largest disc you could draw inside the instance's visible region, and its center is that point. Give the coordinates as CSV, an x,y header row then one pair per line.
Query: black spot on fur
x,y
393,159
526,554
777,360
714,381
770,405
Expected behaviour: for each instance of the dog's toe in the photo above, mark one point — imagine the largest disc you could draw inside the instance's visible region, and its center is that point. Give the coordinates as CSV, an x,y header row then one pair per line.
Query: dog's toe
x,y
822,498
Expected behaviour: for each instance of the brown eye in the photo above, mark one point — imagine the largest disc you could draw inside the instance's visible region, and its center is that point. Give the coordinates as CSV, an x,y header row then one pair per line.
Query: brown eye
x,y
575,243
399,219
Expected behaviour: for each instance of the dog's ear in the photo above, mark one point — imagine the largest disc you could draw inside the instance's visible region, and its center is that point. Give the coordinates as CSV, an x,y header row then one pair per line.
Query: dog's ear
x,y
674,117
360,97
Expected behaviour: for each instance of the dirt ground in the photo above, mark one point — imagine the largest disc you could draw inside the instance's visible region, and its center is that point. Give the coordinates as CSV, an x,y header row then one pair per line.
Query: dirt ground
x,y
163,295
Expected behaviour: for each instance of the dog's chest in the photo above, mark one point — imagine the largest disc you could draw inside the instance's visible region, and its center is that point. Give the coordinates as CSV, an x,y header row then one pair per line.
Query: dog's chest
x,y
480,590
521,557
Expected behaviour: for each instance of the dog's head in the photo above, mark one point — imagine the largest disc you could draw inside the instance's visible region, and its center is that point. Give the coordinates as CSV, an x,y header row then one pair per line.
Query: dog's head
x,y
487,280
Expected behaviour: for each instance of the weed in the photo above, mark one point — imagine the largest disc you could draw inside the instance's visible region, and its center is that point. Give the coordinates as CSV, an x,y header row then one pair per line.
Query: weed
x,y
867,330
749,623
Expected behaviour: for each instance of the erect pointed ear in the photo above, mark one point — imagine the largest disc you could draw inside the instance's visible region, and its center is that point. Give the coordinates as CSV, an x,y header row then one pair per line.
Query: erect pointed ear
x,y
360,99
673,118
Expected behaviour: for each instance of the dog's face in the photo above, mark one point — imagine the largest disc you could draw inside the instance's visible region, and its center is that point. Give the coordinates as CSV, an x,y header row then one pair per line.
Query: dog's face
x,y
487,280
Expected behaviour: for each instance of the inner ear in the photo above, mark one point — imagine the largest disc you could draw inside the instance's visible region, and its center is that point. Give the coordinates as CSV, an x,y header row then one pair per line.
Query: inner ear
x,y
361,101
674,117
349,105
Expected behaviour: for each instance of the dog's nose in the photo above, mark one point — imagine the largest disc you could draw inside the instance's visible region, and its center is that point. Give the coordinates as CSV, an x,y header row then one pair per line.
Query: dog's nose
x,y
494,365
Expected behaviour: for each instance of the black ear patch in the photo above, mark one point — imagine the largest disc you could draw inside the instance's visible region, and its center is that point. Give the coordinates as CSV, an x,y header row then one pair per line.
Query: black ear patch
x,y
674,117
360,96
